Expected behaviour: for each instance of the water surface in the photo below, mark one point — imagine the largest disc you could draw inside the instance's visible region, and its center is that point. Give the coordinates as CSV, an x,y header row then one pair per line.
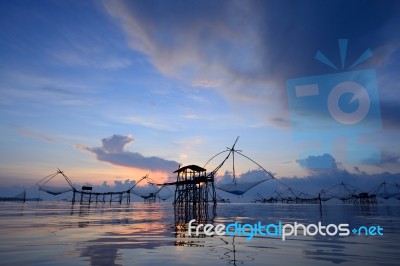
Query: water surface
x,y
58,233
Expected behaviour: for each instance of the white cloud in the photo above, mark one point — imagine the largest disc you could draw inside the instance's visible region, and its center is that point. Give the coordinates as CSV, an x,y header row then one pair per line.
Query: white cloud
x,y
145,121
92,60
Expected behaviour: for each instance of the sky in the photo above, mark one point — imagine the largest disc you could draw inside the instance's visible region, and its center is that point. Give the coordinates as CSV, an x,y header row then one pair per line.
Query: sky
x,y
113,90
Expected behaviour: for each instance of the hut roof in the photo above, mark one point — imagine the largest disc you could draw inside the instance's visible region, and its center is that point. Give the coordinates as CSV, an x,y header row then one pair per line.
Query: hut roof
x,y
192,167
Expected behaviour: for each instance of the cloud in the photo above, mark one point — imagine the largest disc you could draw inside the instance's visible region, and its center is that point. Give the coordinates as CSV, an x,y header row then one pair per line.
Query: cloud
x,y
390,114
32,134
146,121
315,180
321,161
247,51
116,143
280,121
249,176
47,88
388,159
113,151
197,46
91,60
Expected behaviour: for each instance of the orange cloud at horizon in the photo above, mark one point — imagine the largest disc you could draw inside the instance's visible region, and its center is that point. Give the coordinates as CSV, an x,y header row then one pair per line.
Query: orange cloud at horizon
x,y
115,173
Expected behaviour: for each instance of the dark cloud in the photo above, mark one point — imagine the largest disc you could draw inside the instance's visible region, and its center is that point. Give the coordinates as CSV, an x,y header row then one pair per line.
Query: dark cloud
x,y
249,176
280,121
116,143
113,151
357,169
317,162
316,179
315,182
390,113
252,48
389,159
325,170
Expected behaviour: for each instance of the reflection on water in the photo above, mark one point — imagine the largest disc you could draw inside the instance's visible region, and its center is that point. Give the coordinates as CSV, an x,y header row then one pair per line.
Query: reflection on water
x,y
201,213
47,233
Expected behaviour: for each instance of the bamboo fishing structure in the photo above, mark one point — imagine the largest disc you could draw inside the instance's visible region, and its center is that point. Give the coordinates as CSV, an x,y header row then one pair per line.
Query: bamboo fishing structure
x,y
85,195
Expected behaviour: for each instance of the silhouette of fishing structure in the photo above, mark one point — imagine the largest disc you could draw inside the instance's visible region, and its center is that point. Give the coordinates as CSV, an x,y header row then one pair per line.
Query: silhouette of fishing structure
x,y
193,192
195,188
164,193
201,214
346,193
196,199
86,194
151,192
238,186
222,200
288,195
386,190
21,197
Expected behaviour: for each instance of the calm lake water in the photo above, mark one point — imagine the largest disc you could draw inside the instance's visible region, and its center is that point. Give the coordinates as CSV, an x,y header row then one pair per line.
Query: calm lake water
x,y
58,233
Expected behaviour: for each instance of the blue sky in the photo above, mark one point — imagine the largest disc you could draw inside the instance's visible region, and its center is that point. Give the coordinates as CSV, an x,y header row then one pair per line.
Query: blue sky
x,y
119,89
